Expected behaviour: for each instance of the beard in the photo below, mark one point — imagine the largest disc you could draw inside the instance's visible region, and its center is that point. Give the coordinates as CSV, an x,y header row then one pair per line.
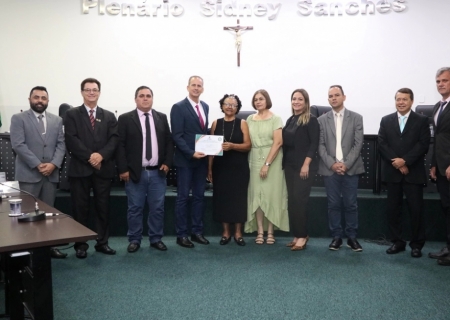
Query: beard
x,y
38,107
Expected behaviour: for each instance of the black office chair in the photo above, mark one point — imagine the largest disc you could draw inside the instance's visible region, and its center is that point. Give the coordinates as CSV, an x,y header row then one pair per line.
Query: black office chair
x,y
319,110
243,114
63,109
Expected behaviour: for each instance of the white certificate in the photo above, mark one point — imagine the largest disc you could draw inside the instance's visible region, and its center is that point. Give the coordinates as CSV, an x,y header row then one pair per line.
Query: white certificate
x,y
208,144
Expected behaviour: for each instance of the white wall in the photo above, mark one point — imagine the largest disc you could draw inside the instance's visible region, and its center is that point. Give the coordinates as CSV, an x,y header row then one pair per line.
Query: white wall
x,y
52,43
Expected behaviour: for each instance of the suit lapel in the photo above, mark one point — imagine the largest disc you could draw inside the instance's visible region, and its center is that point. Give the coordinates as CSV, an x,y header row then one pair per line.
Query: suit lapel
x,y
193,112
136,120
345,122
331,123
85,118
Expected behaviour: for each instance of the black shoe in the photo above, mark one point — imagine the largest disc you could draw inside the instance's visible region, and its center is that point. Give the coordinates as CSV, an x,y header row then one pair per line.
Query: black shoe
x,y
81,254
239,241
133,247
104,248
56,254
395,248
444,261
199,238
184,242
416,253
438,255
159,245
224,240
354,245
335,244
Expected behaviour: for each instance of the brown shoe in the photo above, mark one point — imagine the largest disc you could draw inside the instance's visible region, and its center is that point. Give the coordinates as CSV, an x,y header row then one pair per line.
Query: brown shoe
x,y
298,248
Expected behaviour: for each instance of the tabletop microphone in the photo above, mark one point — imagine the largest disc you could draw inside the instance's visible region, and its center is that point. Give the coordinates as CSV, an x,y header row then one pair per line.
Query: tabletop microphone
x,y
36,215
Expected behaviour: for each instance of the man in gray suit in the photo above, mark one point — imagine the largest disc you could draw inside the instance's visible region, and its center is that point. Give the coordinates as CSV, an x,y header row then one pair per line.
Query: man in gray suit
x,y
37,138
341,140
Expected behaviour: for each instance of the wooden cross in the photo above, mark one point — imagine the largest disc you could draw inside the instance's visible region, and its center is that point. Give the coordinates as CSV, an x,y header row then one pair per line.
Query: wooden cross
x,y
238,30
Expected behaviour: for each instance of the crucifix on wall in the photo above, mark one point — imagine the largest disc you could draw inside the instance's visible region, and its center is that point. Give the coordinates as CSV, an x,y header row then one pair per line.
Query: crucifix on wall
x,y
238,33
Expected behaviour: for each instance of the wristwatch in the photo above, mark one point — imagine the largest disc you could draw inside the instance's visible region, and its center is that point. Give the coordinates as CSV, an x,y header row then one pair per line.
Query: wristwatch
x,y
267,164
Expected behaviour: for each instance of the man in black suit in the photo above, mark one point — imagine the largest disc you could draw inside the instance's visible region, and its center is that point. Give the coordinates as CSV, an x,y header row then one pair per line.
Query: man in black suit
x,y
440,162
403,140
188,118
91,139
144,155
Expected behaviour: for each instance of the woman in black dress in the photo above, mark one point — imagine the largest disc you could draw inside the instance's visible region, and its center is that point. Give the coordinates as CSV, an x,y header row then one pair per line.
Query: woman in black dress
x,y
230,173
300,163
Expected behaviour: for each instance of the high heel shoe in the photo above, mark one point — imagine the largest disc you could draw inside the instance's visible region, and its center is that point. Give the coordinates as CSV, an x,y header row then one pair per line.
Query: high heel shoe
x,y
224,240
298,248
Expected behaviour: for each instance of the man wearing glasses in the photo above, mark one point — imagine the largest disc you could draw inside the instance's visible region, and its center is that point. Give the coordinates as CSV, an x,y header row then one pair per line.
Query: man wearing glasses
x,y
91,138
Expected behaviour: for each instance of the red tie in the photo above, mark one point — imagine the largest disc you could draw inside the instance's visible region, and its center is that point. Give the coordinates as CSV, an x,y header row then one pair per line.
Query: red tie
x,y
91,117
202,123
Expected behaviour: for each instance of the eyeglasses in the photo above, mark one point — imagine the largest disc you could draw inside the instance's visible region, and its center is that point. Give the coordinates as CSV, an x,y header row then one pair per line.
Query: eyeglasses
x,y
91,90
230,105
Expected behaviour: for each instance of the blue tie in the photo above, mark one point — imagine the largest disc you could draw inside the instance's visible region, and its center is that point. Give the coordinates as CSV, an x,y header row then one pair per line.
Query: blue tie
x,y
402,123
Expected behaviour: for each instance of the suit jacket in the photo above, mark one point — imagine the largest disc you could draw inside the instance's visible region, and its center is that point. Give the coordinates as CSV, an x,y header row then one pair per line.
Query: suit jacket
x,y
441,148
33,148
129,151
82,141
351,142
185,125
411,145
306,143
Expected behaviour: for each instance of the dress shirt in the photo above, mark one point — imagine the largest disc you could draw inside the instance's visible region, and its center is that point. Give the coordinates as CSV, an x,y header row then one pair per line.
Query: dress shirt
x,y
94,114
200,107
437,113
400,120
44,118
154,160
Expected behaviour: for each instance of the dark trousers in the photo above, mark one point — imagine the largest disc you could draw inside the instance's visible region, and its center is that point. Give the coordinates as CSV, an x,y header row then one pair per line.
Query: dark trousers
x,y
414,200
80,189
298,196
443,186
190,179
342,190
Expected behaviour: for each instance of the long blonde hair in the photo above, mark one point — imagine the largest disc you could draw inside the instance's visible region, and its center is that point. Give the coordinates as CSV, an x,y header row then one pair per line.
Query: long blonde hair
x,y
306,115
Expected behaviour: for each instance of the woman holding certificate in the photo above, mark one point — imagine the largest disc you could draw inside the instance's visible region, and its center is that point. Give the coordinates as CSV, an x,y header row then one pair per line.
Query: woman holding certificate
x,y
300,163
267,195
230,173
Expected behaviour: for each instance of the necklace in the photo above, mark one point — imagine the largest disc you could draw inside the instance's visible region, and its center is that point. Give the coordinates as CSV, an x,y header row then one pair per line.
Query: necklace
x,y
223,130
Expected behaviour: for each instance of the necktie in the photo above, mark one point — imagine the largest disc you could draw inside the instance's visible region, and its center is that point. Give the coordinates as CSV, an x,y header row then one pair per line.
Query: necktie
x,y
91,117
339,155
402,123
41,124
202,123
441,108
148,138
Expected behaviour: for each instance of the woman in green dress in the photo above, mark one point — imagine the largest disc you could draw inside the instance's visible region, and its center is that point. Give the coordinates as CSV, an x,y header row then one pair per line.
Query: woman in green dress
x,y
267,195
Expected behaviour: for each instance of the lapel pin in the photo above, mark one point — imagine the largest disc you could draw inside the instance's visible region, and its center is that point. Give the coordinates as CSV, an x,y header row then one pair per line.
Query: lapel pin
x,y
98,120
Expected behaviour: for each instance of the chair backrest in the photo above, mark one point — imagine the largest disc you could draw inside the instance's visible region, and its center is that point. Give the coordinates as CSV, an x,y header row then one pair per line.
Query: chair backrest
x,y
319,110
243,114
63,109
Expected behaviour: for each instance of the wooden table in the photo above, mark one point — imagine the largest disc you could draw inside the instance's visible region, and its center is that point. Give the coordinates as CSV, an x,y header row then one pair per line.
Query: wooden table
x,y
25,250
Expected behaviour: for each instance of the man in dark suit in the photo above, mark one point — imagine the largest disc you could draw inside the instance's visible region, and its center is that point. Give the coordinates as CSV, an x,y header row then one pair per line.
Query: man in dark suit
x,y
440,162
37,138
188,118
340,144
403,140
144,155
91,138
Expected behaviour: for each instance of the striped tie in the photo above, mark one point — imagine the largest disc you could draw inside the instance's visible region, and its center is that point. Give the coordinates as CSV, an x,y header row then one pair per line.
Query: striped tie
x,y
91,117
